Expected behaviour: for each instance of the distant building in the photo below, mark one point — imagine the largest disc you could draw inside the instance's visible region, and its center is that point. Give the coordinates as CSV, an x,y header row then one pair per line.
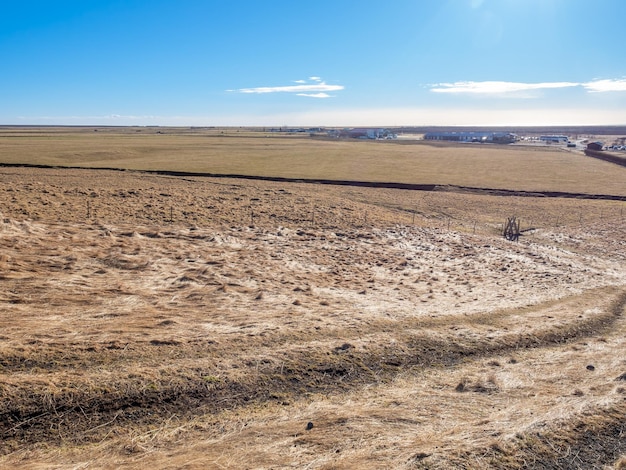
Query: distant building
x,y
484,137
557,139
595,146
366,133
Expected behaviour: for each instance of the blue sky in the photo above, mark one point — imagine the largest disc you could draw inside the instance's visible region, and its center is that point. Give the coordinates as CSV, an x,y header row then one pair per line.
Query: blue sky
x,y
322,63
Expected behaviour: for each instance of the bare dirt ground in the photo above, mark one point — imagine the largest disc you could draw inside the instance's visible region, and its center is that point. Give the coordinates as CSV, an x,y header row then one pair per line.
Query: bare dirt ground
x,y
153,321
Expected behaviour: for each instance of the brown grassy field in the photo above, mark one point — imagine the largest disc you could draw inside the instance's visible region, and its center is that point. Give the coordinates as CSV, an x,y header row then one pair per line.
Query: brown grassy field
x,y
256,153
193,322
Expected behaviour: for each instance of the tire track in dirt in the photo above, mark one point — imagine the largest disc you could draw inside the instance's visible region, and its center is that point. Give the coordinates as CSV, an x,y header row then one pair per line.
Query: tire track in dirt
x,y
528,413
411,404
550,322
300,373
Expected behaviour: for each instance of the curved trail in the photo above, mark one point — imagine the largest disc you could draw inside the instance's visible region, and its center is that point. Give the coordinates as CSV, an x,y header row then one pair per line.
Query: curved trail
x,y
497,373
309,373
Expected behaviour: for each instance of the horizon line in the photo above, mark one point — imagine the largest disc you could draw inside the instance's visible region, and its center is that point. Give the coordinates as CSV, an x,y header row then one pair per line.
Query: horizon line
x,y
288,126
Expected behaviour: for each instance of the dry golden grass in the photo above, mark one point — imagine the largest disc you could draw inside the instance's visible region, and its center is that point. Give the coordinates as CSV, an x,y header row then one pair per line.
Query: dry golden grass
x,y
262,154
152,321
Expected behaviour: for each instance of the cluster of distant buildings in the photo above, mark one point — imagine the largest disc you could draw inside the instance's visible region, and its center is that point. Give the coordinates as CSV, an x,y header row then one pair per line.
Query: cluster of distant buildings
x,y
490,137
484,136
451,136
472,136
363,133
296,130
353,133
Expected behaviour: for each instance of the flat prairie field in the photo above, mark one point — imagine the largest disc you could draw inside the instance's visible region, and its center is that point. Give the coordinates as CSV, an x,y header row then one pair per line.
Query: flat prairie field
x,y
149,320
528,168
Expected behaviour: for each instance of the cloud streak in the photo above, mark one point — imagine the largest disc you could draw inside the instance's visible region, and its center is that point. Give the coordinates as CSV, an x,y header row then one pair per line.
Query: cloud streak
x,y
315,95
502,87
314,87
496,87
598,86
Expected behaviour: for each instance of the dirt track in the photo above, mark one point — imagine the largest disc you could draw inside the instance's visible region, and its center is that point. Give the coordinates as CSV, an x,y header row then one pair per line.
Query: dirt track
x,y
168,322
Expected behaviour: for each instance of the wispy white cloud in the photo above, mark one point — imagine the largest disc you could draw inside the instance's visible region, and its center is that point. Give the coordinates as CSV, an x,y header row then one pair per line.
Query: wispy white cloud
x,y
317,89
502,87
315,95
597,86
496,87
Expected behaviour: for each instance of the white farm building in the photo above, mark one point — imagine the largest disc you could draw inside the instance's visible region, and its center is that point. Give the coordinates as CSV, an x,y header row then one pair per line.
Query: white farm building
x,y
486,137
369,133
558,139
